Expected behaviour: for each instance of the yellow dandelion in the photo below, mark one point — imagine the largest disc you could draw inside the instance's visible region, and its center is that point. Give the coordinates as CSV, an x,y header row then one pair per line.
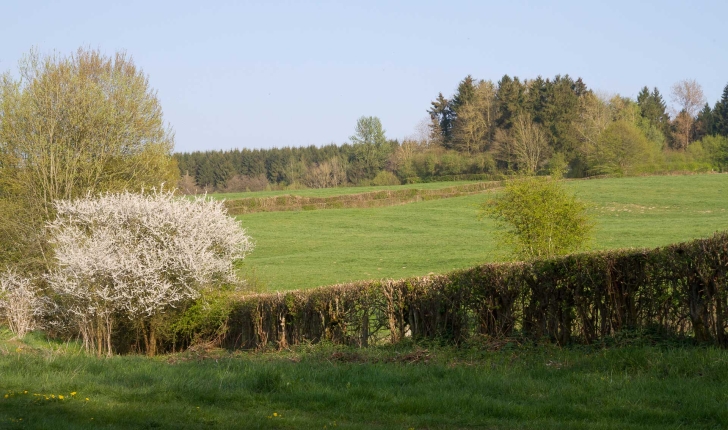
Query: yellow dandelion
x,y
87,399
25,392
60,396
6,396
53,396
73,393
275,414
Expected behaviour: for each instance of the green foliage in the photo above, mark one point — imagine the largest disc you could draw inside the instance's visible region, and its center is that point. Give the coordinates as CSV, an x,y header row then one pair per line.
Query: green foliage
x,y
712,150
202,321
539,218
385,178
73,125
621,147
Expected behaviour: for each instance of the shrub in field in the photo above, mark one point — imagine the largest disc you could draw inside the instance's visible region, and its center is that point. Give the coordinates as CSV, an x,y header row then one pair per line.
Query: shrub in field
x,y
539,218
137,256
20,304
385,178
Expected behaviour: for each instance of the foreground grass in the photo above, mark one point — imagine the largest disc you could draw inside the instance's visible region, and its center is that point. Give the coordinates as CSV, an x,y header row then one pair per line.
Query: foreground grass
x,y
312,248
638,386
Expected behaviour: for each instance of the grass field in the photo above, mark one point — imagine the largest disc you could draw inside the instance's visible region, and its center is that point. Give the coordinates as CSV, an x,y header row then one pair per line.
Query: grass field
x,y
311,248
637,385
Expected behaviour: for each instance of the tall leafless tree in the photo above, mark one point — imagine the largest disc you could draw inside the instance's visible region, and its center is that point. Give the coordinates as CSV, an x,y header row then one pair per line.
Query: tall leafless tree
x,y
689,98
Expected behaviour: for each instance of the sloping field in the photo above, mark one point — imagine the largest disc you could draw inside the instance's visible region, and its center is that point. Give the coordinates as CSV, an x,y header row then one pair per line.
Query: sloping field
x,y
303,249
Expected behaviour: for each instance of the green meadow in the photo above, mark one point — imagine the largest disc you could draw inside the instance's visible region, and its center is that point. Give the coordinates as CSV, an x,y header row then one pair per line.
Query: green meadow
x,y
304,249
632,383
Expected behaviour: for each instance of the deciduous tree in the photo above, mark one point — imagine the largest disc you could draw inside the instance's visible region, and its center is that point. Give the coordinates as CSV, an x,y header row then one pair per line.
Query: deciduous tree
x,y
538,218
688,96
75,124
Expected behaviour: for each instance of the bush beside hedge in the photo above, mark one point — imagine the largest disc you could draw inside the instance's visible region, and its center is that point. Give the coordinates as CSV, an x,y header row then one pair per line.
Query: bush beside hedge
x,y
680,289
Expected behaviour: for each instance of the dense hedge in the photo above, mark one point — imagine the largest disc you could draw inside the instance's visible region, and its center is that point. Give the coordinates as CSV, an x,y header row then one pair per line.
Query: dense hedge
x,y
359,200
680,289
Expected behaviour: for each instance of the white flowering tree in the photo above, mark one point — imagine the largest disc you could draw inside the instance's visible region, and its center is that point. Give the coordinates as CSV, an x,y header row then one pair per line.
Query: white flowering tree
x,y
132,255
20,304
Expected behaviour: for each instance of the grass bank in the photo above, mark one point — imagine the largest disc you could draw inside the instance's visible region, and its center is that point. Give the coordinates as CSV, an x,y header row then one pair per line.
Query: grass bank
x,y
627,383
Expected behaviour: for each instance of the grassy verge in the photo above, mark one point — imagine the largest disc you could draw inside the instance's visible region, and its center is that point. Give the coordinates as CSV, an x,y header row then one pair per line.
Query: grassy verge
x,y
638,385
311,248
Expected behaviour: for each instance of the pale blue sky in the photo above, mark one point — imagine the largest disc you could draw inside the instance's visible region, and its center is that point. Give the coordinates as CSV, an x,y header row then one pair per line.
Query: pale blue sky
x,y
274,73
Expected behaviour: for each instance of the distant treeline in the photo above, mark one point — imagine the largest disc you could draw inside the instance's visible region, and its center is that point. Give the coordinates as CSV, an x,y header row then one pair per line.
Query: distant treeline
x,y
534,126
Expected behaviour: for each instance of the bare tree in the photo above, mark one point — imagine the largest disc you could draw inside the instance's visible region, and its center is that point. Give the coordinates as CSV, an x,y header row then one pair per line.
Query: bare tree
x,y
327,174
689,98
527,144
594,117
20,304
475,119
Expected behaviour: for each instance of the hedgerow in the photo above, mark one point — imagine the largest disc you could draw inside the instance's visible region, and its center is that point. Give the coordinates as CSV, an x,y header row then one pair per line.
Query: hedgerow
x,y
679,289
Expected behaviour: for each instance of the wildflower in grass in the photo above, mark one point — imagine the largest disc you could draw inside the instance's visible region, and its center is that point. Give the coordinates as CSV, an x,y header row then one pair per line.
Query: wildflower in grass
x,y
60,396
73,393
6,396
275,414
87,399
25,392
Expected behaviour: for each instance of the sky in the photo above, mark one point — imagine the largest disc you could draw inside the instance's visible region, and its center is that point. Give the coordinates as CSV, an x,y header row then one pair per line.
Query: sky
x,y
272,73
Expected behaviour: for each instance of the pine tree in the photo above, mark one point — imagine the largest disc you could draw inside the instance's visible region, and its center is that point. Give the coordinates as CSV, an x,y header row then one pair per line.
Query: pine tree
x,y
508,100
465,93
720,115
653,109
704,123
441,113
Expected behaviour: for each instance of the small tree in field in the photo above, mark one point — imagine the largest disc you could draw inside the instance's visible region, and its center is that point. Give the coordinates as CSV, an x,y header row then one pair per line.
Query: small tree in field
x,y
136,256
539,218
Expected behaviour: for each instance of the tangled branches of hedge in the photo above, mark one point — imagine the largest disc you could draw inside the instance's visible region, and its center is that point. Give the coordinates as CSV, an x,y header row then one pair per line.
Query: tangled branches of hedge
x,y
680,288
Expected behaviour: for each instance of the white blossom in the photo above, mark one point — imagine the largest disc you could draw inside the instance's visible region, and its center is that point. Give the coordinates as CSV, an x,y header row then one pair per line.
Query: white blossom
x,y
138,255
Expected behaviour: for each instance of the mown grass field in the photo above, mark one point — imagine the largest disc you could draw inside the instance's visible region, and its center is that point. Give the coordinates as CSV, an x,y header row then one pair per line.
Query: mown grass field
x,y
305,249
636,385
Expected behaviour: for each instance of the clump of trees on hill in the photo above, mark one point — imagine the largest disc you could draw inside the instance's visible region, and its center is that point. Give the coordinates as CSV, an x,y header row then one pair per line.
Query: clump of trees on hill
x,y
494,128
